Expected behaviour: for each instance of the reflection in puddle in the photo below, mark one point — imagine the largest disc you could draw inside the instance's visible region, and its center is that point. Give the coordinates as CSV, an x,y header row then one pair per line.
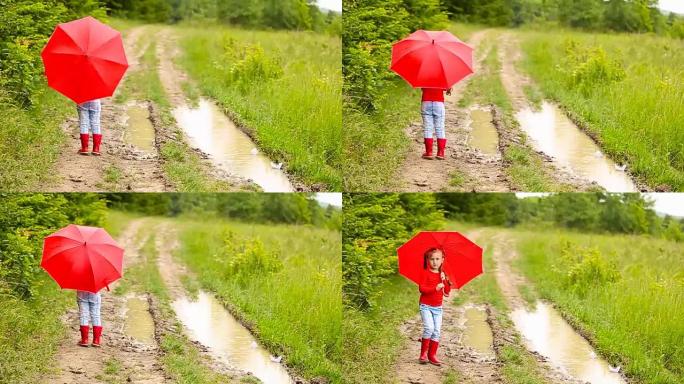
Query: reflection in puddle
x,y
477,333
139,129
210,130
138,321
557,136
483,135
546,332
209,323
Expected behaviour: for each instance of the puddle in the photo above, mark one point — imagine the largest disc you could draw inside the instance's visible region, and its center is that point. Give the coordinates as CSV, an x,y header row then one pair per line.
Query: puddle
x,y
545,331
139,129
138,320
210,130
209,323
483,135
557,136
477,334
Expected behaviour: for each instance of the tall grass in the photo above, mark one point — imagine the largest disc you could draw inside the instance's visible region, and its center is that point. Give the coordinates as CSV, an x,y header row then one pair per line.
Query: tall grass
x,y
635,320
637,119
295,116
295,308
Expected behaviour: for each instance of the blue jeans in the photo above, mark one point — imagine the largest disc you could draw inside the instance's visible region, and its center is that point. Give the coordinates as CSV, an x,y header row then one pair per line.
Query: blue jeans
x,y
89,116
89,307
432,321
433,118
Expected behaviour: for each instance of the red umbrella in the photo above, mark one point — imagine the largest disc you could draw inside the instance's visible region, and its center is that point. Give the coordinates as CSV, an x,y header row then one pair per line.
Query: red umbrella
x,y
432,59
83,258
84,59
462,257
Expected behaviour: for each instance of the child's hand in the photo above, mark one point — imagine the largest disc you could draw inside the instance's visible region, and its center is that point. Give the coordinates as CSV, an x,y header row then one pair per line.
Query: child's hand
x,y
440,286
448,92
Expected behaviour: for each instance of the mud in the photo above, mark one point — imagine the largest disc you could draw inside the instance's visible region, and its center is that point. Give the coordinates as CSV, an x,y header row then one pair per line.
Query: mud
x,y
139,130
138,322
483,133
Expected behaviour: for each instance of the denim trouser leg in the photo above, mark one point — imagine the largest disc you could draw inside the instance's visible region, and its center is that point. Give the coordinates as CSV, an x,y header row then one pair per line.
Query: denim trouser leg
x,y
83,119
433,114
428,121
89,117
439,115
89,310
432,321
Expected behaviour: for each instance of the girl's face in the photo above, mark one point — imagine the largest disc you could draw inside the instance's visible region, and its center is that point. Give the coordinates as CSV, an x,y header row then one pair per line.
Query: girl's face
x,y
435,260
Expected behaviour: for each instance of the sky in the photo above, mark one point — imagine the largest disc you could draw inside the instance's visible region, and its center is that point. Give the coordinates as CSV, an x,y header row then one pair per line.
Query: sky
x,y
335,5
668,203
330,198
672,5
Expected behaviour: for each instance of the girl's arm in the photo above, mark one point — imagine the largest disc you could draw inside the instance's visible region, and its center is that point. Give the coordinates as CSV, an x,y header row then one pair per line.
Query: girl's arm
x,y
447,287
426,287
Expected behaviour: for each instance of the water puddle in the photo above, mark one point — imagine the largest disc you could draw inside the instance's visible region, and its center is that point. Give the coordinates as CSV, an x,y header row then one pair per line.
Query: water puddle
x,y
209,323
557,136
210,130
139,129
138,321
477,334
545,331
483,134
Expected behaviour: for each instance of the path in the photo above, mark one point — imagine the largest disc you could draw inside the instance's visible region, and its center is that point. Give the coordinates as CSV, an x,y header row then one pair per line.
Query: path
x,y
481,172
122,166
138,363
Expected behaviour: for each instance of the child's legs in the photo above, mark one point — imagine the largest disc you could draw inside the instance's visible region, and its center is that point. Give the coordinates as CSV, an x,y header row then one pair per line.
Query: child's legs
x,y
428,321
437,326
428,121
95,119
95,303
83,312
83,119
439,114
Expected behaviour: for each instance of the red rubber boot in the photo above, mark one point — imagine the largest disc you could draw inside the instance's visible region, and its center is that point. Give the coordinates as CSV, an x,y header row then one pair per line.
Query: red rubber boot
x,y
441,144
84,336
97,139
97,332
424,344
432,353
428,149
84,144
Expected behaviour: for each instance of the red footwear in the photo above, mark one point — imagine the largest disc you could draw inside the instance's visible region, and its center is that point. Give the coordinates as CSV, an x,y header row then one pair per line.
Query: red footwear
x,y
441,144
428,149
97,139
84,144
432,353
97,332
84,336
424,344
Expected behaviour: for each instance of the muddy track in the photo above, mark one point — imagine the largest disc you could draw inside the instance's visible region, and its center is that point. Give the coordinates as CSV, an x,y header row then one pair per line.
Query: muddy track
x,y
480,172
139,363
122,166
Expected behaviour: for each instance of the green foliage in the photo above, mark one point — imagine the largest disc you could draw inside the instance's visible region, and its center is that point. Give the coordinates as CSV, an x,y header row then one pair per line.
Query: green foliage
x,y
242,257
248,62
587,68
25,220
375,225
584,268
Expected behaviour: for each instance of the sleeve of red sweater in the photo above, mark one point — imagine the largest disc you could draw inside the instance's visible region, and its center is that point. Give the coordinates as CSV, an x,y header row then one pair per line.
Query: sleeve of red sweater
x,y
425,286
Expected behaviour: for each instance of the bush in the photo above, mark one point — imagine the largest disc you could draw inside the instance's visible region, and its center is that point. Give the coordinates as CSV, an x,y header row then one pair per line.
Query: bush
x,y
589,67
246,63
244,258
584,268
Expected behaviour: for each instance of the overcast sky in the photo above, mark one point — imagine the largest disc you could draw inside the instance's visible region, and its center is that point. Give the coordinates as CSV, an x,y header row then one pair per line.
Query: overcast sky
x,y
335,5
672,5
330,198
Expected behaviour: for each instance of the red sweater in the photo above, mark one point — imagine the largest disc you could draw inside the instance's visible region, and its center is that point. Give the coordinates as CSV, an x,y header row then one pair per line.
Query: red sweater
x,y
429,295
433,94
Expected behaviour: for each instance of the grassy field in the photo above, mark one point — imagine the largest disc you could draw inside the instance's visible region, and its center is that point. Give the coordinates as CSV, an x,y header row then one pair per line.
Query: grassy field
x,y
637,116
282,87
284,280
374,143
627,292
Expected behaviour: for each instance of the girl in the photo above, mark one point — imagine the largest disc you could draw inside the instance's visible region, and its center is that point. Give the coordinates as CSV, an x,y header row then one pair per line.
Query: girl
x,y
89,120
89,309
434,286
432,110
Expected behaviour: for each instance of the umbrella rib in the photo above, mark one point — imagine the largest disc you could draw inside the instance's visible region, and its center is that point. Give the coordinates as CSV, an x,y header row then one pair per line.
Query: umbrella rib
x,y
108,262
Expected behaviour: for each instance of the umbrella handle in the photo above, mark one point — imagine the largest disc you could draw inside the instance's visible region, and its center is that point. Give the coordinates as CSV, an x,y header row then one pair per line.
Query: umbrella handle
x,y
107,286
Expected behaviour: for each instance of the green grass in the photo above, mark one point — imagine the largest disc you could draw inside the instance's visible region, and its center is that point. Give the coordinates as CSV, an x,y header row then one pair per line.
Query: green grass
x,y
635,321
295,311
31,139
296,117
638,119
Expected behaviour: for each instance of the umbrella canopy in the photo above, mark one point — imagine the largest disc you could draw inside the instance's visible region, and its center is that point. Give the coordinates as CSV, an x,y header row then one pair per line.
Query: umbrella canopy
x,y
462,257
432,59
83,258
84,59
